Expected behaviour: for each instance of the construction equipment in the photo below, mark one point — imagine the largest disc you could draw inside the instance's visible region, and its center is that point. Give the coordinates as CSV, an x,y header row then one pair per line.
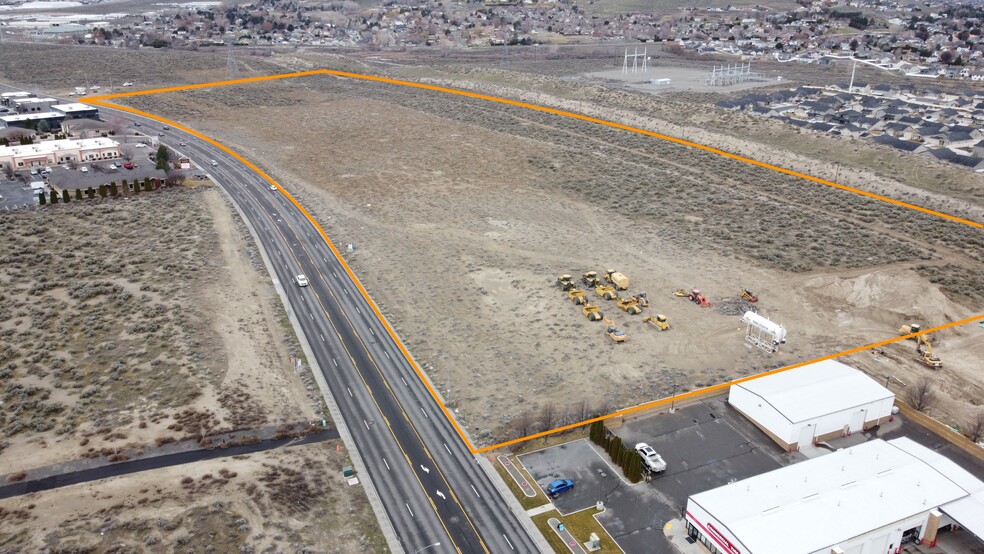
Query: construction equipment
x,y
592,312
613,332
914,328
925,351
641,299
628,305
694,296
606,291
577,296
747,295
591,279
658,321
620,281
564,282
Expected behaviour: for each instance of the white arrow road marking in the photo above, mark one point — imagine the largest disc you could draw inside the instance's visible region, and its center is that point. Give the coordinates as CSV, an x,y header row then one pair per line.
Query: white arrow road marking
x,y
441,494
423,467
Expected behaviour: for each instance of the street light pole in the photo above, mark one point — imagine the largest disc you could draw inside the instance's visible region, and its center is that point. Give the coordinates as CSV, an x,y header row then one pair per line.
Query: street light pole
x,y
673,397
426,547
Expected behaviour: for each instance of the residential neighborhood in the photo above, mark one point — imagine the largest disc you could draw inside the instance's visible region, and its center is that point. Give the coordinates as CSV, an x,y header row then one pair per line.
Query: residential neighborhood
x,y
926,121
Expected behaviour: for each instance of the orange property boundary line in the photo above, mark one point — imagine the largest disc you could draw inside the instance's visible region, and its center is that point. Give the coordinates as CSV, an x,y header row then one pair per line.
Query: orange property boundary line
x,y
102,101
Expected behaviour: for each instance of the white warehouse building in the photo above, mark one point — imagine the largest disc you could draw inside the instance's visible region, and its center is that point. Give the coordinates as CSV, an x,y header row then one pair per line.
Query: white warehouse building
x,y
867,499
813,403
54,152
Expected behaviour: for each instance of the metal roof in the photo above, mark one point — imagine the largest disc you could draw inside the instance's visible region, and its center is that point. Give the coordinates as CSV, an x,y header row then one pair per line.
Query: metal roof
x,y
816,390
827,501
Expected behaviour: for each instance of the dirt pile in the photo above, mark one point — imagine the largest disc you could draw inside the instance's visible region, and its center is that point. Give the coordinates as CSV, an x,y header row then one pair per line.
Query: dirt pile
x,y
889,297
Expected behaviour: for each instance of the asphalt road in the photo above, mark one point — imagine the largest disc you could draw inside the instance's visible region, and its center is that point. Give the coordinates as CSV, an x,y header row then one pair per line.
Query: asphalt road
x,y
432,488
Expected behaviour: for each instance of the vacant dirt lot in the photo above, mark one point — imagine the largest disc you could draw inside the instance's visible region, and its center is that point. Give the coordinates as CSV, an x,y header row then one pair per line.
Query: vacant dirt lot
x,y
465,212
278,501
126,322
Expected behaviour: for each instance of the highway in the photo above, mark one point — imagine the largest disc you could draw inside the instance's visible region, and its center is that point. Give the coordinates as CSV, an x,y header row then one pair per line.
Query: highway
x,y
433,490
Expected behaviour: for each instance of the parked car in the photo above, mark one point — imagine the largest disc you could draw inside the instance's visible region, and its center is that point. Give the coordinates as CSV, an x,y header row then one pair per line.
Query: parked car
x,y
653,461
84,169
140,145
302,280
113,166
558,486
129,165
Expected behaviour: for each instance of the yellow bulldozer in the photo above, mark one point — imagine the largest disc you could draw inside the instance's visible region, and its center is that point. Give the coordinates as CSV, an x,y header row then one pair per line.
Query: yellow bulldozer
x,y
658,321
592,312
577,296
565,282
590,279
621,282
628,305
606,291
914,328
613,332
925,351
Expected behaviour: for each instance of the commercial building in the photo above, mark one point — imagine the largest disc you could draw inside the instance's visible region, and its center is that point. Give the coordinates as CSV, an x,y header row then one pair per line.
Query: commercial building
x,y
867,499
76,111
29,105
813,403
32,120
7,98
58,151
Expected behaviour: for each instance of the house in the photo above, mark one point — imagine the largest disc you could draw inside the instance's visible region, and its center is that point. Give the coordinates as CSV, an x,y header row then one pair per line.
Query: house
x,y
903,145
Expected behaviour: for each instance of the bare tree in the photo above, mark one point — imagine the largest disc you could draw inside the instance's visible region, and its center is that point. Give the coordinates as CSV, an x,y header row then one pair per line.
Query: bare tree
x,y
127,154
582,411
921,395
975,429
548,416
523,424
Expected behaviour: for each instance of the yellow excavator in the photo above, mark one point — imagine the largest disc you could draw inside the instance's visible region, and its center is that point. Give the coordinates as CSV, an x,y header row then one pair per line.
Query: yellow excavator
x,y
606,291
564,282
592,312
613,332
629,305
591,279
577,296
658,321
925,351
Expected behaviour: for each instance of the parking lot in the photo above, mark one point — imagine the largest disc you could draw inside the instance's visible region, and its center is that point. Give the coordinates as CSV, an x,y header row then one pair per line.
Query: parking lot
x,y
705,445
16,194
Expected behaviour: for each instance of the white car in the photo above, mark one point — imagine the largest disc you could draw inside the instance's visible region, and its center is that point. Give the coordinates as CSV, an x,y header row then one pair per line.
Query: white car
x,y
215,163
273,187
302,280
113,166
653,461
140,145
84,169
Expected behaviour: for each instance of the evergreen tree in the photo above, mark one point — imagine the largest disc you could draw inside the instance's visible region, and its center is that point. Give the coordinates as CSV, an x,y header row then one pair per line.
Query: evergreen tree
x,y
42,199
53,197
113,191
65,196
162,157
102,191
78,194
147,185
90,192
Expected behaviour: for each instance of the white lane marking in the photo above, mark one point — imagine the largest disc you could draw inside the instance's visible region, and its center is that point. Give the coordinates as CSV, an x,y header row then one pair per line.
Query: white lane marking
x,y
387,354
322,337
350,391
507,542
404,381
344,291
409,510
311,316
358,310
372,333
446,447
425,468
441,494
423,412
334,361
279,253
386,463
476,492
325,259
367,424
333,273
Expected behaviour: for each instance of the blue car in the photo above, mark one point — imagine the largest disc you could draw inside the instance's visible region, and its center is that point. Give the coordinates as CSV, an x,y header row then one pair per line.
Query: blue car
x,y
558,486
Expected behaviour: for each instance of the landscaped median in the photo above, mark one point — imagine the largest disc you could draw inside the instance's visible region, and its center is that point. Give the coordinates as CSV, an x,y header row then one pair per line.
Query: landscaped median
x,y
581,525
527,502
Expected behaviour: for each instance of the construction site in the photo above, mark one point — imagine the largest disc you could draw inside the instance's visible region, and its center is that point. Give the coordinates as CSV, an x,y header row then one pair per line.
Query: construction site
x,y
462,238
